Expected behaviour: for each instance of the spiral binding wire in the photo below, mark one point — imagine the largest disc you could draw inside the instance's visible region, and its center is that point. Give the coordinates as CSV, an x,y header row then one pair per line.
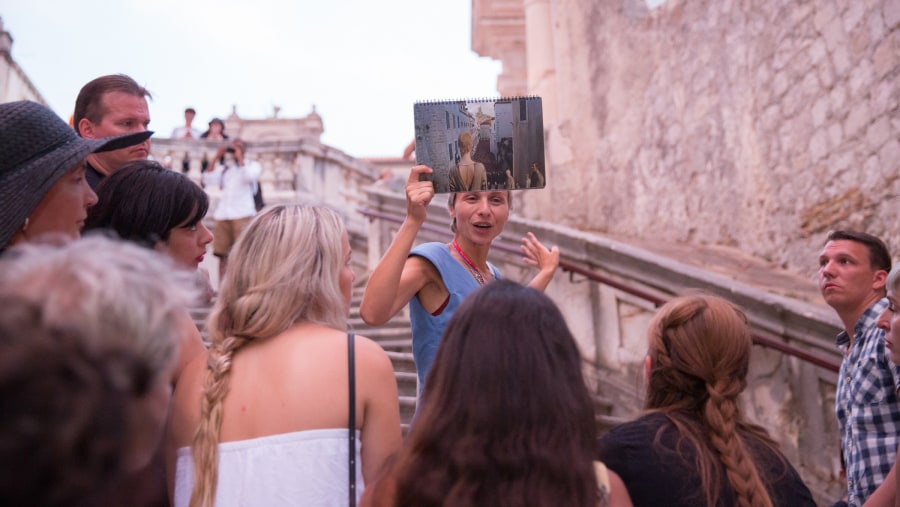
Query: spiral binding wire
x,y
481,99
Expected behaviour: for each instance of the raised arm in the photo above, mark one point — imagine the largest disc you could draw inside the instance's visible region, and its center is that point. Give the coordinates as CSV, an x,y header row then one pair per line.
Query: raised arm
x,y
391,285
540,257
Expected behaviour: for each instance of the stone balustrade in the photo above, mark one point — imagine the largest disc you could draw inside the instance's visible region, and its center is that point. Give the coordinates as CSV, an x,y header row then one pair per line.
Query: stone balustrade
x,y
292,171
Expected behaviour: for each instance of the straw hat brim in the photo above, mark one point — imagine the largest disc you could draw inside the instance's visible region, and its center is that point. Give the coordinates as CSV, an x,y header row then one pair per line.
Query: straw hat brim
x,y
22,189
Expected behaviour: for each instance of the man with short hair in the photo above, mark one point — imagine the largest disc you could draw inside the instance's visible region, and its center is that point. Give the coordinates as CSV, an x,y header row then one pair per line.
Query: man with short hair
x,y
108,106
187,131
853,268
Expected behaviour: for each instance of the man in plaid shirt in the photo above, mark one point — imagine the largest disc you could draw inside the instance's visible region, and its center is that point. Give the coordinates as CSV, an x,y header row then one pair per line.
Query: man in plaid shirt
x,y
853,267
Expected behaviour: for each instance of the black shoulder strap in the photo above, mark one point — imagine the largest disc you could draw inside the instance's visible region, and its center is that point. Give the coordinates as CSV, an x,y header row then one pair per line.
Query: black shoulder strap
x,y
351,424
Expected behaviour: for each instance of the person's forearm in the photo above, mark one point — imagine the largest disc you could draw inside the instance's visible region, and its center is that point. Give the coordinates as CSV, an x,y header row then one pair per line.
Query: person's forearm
x,y
884,495
542,279
381,291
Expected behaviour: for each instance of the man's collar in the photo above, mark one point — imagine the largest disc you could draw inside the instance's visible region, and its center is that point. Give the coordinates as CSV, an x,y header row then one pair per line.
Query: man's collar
x,y
92,175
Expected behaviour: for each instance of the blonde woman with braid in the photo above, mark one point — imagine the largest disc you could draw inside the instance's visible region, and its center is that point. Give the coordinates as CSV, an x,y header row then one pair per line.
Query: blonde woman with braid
x,y
262,419
693,447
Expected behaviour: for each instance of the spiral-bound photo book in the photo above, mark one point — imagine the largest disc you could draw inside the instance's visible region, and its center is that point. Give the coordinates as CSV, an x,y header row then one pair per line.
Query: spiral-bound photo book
x,y
477,145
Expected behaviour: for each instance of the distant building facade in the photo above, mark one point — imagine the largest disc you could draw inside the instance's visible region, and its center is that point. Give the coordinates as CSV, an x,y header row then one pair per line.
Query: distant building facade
x,y
14,83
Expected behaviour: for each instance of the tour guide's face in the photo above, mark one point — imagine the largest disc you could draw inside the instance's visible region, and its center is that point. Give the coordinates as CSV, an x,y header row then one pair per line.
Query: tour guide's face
x,y
480,216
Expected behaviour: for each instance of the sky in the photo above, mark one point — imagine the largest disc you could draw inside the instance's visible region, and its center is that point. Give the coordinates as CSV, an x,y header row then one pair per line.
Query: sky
x,y
361,63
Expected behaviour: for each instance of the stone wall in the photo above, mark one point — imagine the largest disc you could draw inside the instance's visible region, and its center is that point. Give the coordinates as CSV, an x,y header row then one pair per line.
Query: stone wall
x,y
754,125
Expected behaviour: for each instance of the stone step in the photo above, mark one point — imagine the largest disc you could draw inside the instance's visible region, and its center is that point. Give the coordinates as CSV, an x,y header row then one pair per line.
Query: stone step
x,y
603,408
402,361
384,333
407,409
399,345
407,383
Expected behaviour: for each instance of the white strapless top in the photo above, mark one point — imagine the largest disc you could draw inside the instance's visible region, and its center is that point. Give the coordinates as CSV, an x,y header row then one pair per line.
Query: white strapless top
x,y
306,468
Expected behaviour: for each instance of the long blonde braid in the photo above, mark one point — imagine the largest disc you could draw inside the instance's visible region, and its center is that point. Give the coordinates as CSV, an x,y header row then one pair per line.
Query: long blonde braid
x,y
205,445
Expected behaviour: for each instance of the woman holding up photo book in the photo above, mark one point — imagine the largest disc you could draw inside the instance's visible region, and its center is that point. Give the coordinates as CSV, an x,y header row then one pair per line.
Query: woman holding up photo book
x,y
435,277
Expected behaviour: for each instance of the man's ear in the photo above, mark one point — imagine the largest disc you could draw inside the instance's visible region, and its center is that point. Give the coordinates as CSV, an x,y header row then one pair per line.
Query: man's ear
x,y
86,129
880,280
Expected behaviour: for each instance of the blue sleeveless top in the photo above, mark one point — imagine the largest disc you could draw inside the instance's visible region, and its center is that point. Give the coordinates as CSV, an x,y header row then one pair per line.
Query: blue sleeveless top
x,y
427,329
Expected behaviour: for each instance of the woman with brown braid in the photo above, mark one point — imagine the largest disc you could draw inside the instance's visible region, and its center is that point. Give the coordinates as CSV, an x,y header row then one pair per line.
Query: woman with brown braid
x,y
693,447
262,419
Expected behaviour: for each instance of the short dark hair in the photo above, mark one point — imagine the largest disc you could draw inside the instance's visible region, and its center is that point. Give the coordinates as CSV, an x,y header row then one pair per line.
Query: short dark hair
x,y
879,257
190,110
144,201
89,103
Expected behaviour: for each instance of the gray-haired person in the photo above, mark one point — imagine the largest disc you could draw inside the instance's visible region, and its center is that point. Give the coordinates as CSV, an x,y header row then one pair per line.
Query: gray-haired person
x,y
96,321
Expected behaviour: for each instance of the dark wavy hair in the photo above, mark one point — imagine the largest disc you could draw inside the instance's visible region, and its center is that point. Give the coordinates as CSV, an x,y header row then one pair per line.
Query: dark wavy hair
x,y
506,417
143,201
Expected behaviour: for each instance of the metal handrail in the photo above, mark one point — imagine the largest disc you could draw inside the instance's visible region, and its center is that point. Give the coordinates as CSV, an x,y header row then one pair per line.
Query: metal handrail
x,y
592,275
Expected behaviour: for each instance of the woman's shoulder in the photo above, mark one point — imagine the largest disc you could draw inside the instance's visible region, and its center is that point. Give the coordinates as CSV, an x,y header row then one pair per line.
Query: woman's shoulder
x,y
431,249
184,414
371,355
629,438
642,424
329,342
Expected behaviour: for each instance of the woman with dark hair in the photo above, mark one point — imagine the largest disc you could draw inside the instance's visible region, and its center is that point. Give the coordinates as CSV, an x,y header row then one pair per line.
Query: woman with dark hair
x,y
216,131
161,209
693,446
506,418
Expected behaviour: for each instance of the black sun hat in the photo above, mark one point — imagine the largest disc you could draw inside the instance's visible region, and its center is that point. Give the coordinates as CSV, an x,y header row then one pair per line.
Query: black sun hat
x,y
36,148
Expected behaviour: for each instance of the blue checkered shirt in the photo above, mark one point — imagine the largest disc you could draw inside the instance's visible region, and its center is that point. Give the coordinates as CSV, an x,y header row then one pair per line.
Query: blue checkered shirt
x,y
867,406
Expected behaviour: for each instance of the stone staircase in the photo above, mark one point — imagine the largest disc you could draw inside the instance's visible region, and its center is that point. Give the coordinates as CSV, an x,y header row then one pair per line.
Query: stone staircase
x,y
396,339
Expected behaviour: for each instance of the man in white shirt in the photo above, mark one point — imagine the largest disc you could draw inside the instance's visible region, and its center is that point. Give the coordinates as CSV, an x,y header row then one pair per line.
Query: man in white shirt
x,y
237,178
187,131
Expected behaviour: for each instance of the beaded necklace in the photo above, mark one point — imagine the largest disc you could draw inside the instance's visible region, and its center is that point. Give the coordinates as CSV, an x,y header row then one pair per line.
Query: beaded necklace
x,y
475,272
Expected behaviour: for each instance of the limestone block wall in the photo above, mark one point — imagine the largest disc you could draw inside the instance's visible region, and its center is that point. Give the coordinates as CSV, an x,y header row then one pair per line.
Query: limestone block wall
x,y
758,125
